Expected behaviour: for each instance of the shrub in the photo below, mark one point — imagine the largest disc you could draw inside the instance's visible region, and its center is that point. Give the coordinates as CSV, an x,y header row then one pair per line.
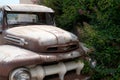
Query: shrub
x,y
102,32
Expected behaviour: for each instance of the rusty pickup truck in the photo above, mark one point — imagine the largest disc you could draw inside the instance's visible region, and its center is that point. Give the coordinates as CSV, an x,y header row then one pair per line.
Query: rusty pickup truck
x,y
33,48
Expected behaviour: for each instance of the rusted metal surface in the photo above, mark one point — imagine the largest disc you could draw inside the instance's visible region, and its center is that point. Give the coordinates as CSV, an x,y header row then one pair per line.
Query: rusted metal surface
x,y
3,78
9,59
42,38
1,39
34,45
27,8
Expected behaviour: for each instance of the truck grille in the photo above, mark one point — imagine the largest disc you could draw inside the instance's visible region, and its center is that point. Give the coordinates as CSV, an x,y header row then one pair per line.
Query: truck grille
x,y
62,48
71,75
61,69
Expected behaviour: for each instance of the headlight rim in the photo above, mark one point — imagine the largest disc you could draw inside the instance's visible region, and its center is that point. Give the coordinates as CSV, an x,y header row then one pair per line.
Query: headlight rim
x,y
14,72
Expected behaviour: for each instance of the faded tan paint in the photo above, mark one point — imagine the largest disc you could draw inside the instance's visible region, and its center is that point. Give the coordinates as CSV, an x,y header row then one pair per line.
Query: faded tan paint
x,y
26,2
40,38
30,1
1,39
33,42
28,8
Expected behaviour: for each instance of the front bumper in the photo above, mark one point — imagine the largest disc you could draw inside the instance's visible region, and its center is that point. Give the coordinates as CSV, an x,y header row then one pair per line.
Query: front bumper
x,y
41,72
71,75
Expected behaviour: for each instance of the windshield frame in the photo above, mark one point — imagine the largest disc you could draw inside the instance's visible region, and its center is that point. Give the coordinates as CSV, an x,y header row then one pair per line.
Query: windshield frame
x,y
51,16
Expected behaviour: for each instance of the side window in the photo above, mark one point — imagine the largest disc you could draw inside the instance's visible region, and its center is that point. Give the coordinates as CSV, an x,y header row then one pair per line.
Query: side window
x,y
0,21
49,19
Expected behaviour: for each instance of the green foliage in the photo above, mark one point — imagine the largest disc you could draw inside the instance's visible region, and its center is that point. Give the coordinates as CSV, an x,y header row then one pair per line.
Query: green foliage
x,y
66,12
102,32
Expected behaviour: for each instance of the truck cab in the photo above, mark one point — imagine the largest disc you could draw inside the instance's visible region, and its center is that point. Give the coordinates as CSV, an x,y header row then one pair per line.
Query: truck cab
x,y
33,48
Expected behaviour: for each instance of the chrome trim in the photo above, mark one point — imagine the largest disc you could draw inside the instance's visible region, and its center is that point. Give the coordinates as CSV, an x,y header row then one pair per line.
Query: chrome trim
x,y
15,40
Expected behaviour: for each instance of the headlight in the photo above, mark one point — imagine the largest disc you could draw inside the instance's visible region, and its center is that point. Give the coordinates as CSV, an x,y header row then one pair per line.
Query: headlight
x,y
20,74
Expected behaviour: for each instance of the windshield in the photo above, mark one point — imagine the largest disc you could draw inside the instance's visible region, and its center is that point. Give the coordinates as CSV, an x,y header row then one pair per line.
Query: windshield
x,y
29,19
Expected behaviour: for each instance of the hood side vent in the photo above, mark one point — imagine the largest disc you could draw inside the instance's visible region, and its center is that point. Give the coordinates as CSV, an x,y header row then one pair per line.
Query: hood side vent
x,y
15,40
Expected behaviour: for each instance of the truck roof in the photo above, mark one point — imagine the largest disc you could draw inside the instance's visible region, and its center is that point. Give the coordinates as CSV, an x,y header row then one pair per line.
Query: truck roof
x,y
26,8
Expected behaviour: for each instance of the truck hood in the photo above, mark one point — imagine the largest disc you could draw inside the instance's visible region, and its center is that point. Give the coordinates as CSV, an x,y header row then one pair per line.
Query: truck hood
x,y
41,38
